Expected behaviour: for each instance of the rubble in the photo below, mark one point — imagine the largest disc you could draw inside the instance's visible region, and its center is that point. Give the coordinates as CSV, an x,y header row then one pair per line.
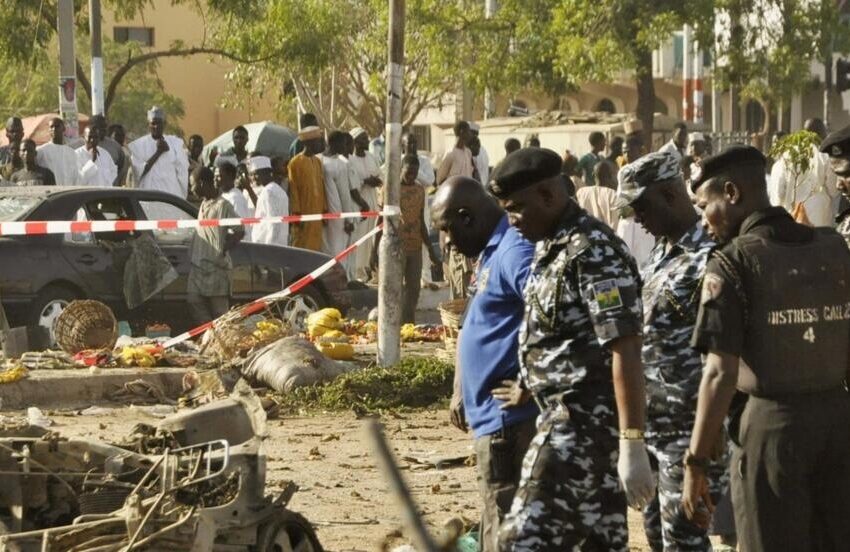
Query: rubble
x,y
195,481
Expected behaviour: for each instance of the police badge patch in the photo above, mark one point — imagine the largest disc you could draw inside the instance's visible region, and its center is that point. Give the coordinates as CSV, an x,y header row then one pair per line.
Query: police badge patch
x,y
712,285
607,295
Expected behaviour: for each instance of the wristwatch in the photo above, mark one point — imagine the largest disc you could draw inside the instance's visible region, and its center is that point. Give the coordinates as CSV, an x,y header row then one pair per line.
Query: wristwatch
x,y
631,434
695,462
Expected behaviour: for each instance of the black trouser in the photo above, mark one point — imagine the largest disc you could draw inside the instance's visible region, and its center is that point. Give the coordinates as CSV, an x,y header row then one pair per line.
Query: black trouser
x,y
499,458
791,475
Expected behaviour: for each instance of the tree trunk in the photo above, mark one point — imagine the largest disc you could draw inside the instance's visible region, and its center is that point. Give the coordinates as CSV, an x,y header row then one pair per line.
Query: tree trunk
x,y
645,94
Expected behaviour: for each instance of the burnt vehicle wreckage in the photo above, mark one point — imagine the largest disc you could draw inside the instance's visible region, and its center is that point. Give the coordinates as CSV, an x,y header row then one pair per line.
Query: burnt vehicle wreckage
x,y
194,482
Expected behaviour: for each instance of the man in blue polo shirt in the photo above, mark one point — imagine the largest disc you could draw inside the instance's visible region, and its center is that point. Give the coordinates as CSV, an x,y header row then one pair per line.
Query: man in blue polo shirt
x,y
487,395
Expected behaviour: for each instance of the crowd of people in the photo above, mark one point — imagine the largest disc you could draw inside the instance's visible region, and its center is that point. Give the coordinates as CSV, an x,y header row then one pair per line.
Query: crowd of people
x,y
666,330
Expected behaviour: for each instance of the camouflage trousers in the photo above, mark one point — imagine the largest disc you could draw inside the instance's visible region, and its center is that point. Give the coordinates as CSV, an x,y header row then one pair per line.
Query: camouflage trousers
x,y
569,496
667,527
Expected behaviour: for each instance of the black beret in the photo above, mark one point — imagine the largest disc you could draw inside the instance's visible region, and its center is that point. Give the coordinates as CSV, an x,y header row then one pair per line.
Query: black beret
x,y
733,155
837,144
523,168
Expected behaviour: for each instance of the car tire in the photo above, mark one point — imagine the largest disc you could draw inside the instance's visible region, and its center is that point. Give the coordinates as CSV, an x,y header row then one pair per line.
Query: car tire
x,y
47,306
286,531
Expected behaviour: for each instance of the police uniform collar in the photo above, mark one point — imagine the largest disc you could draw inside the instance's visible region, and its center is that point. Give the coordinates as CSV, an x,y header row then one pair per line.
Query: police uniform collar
x,y
760,217
692,238
565,224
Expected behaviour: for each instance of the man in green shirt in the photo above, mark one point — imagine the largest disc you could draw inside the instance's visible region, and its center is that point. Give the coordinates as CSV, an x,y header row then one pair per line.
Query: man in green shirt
x,y
589,160
209,275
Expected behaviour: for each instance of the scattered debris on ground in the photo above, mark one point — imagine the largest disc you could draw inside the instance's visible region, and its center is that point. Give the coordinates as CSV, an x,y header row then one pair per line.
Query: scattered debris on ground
x,y
194,481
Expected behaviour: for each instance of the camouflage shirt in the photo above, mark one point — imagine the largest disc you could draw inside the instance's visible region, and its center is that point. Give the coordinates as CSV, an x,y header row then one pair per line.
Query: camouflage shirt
x,y
671,293
843,227
583,293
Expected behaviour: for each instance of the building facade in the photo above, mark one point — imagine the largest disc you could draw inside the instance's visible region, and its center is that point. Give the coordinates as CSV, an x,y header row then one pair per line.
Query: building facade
x,y
198,80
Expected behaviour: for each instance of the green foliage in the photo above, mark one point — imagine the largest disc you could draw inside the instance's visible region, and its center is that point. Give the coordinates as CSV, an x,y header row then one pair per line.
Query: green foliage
x,y
416,382
795,150
771,44
32,92
306,45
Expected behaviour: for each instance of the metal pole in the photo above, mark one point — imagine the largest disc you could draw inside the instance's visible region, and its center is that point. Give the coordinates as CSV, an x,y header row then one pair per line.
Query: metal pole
x,y
716,121
67,67
490,8
389,268
697,85
827,85
686,73
412,520
96,58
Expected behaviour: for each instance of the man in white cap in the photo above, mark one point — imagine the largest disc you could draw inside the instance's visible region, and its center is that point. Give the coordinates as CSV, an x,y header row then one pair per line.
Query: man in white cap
x,y
94,163
307,189
365,181
271,202
159,160
57,156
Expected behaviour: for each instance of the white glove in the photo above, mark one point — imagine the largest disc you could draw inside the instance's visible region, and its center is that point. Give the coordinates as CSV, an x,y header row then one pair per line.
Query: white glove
x,y
635,474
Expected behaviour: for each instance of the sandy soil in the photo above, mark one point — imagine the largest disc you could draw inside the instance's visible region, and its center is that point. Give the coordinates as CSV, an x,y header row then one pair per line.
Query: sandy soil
x,y
341,491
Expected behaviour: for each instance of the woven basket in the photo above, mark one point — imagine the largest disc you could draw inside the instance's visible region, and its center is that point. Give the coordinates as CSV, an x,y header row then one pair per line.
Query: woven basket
x,y
231,337
451,313
85,325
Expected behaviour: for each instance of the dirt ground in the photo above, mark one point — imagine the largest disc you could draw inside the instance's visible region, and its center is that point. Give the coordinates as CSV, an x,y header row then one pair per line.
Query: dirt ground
x,y
341,491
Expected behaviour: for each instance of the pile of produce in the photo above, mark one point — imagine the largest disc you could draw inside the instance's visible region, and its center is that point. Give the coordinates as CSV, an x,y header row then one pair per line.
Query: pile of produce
x,y
423,333
143,356
324,328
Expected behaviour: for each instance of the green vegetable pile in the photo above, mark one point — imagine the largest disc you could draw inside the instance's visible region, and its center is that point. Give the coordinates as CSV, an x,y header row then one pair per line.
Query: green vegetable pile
x,y
415,382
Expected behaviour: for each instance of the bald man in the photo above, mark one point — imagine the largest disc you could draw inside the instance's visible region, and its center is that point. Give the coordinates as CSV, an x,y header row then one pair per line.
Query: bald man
x,y
486,398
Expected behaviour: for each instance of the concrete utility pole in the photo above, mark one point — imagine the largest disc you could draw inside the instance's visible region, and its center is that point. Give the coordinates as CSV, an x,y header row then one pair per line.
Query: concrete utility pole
x,y
67,68
389,265
96,58
490,7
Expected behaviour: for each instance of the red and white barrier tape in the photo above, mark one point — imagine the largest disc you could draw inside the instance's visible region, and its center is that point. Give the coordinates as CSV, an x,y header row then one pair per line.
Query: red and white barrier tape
x,y
263,302
43,227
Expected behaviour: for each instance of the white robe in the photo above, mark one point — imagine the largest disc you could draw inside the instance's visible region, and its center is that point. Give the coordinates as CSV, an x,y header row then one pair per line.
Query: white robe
x,y
361,168
169,174
240,205
334,238
272,201
816,190
61,160
102,172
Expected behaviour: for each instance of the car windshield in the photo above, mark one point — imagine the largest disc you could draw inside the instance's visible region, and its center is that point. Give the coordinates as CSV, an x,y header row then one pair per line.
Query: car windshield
x,y
13,207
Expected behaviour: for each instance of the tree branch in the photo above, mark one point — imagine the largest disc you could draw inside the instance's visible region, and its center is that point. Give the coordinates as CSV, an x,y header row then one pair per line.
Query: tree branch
x,y
185,52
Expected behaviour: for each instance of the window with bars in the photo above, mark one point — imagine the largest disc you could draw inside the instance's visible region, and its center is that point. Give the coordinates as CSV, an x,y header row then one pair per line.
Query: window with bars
x,y
142,35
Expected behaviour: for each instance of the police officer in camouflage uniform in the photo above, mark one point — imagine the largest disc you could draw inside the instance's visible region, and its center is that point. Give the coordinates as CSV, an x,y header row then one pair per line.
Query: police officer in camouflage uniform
x,y
580,358
774,320
837,146
654,190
